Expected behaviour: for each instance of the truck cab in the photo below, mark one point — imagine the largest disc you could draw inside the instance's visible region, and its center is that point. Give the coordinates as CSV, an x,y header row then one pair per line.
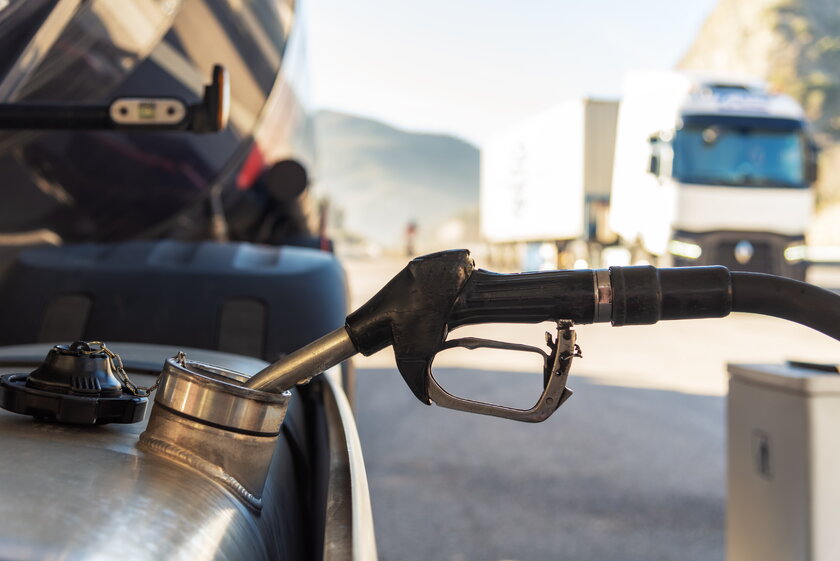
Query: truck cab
x,y
713,171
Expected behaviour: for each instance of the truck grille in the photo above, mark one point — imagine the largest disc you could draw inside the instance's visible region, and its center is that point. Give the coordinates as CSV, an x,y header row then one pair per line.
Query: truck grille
x,y
762,261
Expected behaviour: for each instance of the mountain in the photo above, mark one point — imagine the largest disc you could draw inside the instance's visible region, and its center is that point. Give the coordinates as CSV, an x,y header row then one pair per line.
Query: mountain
x,y
379,178
795,46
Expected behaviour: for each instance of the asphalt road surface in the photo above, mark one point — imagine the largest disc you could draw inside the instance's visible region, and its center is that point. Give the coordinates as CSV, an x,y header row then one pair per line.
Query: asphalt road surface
x,y
632,467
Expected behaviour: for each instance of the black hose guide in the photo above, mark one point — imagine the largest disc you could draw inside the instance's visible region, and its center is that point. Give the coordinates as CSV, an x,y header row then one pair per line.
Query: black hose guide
x,y
644,295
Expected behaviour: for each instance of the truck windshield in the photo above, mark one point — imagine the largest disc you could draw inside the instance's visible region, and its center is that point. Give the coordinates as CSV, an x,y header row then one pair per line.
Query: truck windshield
x,y
741,154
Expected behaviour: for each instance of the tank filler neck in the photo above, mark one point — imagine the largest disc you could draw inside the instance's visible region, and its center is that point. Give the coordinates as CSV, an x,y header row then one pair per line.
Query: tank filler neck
x,y
206,417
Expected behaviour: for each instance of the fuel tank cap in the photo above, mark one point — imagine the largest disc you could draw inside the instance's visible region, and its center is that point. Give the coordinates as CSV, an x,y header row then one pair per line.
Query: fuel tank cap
x,y
76,383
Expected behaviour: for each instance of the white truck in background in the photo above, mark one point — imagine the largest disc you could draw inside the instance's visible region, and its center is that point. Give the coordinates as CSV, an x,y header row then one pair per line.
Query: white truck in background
x,y
712,171
545,184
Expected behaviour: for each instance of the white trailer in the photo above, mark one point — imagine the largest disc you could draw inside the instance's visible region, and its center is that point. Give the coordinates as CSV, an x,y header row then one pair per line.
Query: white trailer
x,y
546,181
712,170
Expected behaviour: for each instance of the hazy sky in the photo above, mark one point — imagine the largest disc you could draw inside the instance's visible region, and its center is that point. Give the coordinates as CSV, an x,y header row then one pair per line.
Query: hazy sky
x,y
470,67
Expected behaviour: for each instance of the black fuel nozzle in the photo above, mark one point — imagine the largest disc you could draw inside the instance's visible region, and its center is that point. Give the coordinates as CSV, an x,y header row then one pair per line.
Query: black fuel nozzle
x,y
76,384
415,311
440,292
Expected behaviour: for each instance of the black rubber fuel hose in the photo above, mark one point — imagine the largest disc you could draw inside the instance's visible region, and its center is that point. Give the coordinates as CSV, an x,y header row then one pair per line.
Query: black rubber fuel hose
x,y
788,299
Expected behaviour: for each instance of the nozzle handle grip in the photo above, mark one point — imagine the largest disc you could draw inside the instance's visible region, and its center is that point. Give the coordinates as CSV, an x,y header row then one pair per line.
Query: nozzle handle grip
x,y
489,297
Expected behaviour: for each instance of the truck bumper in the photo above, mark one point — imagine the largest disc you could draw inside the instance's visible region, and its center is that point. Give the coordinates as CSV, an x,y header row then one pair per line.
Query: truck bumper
x,y
759,252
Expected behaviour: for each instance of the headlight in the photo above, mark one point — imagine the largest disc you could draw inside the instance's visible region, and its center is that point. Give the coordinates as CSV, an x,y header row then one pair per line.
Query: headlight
x,y
796,252
684,249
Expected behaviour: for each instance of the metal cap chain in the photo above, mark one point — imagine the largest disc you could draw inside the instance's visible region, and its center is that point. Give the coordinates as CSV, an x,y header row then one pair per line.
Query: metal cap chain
x,y
119,370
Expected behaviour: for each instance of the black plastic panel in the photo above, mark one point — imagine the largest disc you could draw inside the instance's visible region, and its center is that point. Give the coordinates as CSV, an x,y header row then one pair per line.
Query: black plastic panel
x,y
204,295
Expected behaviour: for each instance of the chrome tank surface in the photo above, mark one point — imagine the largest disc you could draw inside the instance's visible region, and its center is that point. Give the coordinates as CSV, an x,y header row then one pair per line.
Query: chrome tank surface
x,y
90,492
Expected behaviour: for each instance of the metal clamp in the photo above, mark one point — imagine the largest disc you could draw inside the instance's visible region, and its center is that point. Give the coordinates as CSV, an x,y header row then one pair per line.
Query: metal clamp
x,y
603,296
555,374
